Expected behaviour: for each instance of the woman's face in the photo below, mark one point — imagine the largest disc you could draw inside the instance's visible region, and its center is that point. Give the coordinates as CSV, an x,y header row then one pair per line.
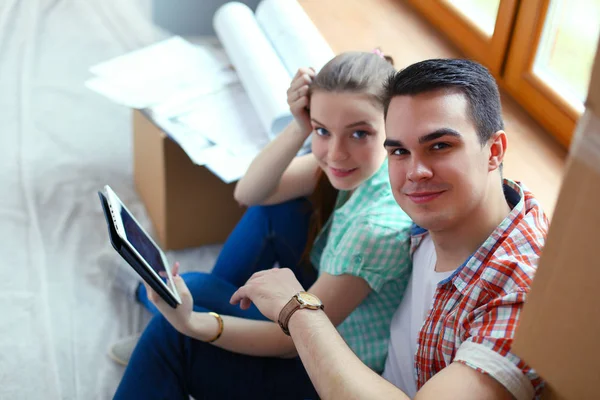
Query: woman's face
x,y
348,136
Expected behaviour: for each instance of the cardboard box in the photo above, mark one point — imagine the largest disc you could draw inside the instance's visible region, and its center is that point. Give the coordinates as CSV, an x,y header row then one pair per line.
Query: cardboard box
x,y
187,204
559,331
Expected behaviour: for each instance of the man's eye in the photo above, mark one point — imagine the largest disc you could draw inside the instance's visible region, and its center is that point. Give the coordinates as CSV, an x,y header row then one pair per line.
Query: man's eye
x,y
398,152
440,146
321,131
359,134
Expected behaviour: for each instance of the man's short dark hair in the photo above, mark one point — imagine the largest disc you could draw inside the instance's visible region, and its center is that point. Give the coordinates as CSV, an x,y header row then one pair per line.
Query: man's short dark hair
x,y
471,78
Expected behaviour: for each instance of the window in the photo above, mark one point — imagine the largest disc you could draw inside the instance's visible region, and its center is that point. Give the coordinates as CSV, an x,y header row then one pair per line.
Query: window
x,y
482,13
567,46
540,51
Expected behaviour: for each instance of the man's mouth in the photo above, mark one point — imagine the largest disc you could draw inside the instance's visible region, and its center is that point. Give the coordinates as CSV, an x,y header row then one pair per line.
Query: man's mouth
x,y
423,197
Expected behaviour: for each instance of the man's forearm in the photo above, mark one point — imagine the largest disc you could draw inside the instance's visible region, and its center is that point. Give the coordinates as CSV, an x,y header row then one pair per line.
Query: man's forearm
x,y
336,372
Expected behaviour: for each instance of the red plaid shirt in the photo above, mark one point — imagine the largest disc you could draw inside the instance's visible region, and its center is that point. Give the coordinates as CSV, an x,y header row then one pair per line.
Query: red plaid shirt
x,y
476,310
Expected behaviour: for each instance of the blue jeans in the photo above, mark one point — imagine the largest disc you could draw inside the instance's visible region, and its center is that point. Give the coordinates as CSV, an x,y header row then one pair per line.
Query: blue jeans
x,y
166,364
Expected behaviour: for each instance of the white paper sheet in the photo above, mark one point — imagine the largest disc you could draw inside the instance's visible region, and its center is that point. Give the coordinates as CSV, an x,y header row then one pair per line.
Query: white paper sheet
x,y
228,167
191,141
293,35
162,59
259,68
228,119
195,95
170,116
151,75
140,97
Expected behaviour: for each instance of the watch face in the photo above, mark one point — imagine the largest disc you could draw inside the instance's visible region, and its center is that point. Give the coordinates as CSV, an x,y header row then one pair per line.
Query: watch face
x,y
309,299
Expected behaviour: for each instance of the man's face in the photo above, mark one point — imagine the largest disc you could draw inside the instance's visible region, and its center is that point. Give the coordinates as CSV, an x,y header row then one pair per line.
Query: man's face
x,y
438,169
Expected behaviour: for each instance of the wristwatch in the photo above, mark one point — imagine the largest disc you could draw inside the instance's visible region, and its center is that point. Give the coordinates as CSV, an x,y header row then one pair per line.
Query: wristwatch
x,y
298,301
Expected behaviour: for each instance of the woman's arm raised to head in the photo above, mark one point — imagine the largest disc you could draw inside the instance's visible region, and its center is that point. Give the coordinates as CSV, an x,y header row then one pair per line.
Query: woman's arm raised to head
x,y
276,174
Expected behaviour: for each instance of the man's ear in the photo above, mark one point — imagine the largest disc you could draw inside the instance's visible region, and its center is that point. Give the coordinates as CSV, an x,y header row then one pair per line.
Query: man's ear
x,y
497,150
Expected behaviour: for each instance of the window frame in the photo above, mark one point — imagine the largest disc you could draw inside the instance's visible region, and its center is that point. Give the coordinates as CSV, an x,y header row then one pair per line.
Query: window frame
x,y
467,35
552,110
510,55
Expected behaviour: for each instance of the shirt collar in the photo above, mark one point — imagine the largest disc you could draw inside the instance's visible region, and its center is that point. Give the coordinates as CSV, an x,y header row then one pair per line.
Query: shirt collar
x,y
379,181
471,268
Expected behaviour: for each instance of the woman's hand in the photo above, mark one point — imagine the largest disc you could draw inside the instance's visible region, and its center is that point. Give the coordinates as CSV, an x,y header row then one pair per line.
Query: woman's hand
x,y
299,100
180,317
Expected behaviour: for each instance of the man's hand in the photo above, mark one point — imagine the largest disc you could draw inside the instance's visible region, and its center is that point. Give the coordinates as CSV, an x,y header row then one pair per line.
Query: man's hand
x,y
269,290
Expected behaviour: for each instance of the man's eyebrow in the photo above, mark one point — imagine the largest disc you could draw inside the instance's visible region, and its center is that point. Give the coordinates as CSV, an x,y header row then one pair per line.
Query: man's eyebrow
x,y
438,133
392,143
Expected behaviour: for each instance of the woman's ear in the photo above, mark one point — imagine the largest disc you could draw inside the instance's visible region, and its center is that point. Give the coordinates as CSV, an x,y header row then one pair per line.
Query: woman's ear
x,y
498,145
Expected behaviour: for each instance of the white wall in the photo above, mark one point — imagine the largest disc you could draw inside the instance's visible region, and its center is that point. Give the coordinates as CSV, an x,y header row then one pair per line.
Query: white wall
x,y
189,17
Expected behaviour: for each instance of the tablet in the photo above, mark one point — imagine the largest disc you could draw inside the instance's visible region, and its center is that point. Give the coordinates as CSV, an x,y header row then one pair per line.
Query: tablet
x,y
132,242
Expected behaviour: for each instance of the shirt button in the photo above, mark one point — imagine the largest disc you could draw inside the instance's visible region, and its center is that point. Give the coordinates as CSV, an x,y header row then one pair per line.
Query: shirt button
x,y
358,259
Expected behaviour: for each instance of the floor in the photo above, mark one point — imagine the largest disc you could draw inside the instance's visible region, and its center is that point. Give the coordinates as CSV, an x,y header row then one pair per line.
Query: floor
x,y
60,298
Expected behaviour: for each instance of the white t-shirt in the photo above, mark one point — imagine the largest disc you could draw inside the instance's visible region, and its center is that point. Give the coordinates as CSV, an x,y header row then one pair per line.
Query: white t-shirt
x,y
410,316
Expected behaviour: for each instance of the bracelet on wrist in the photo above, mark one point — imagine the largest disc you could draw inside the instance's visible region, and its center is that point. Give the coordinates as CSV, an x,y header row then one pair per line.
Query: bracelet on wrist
x,y
220,321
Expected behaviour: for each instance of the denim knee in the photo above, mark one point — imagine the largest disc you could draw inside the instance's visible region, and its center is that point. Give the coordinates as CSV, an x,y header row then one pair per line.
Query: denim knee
x,y
161,334
299,206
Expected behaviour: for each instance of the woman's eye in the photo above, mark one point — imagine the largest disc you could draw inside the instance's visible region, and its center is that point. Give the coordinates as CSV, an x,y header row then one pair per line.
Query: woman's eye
x,y
359,134
321,131
440,146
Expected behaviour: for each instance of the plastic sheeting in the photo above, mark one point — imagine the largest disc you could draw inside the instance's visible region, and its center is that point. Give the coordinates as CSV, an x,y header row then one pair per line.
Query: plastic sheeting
x,y
59,144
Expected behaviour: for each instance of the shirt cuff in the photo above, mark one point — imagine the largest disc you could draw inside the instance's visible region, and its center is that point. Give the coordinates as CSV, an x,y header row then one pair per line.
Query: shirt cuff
x,y
481,357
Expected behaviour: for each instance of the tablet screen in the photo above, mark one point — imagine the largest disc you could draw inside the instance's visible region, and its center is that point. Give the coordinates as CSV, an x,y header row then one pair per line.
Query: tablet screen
x,y
141,243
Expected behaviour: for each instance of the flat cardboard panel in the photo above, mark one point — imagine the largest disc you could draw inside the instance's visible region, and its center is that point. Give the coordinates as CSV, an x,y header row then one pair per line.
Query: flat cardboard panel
x,y
559,331
560,326
200,206
187,204
549,393
149,171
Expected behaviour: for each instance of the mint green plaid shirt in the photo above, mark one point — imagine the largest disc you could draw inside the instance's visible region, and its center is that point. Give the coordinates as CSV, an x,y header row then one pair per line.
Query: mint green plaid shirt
x,y
368,235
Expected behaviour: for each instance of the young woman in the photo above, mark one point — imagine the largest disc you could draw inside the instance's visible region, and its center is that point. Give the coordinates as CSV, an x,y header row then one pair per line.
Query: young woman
x,y
359,260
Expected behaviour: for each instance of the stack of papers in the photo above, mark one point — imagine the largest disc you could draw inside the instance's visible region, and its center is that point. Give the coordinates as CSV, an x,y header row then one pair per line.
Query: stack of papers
x,y
221,117
194,95
173,67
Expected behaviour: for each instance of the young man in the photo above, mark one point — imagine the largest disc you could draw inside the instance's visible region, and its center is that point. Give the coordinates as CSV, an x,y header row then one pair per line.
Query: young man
x,y
475,247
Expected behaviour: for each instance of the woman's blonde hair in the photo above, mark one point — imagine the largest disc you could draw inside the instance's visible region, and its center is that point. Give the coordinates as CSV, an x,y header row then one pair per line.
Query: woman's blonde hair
x,y
355,72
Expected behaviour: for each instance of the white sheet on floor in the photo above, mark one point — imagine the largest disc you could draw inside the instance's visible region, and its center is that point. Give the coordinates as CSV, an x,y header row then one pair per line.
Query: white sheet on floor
x,y
59,144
